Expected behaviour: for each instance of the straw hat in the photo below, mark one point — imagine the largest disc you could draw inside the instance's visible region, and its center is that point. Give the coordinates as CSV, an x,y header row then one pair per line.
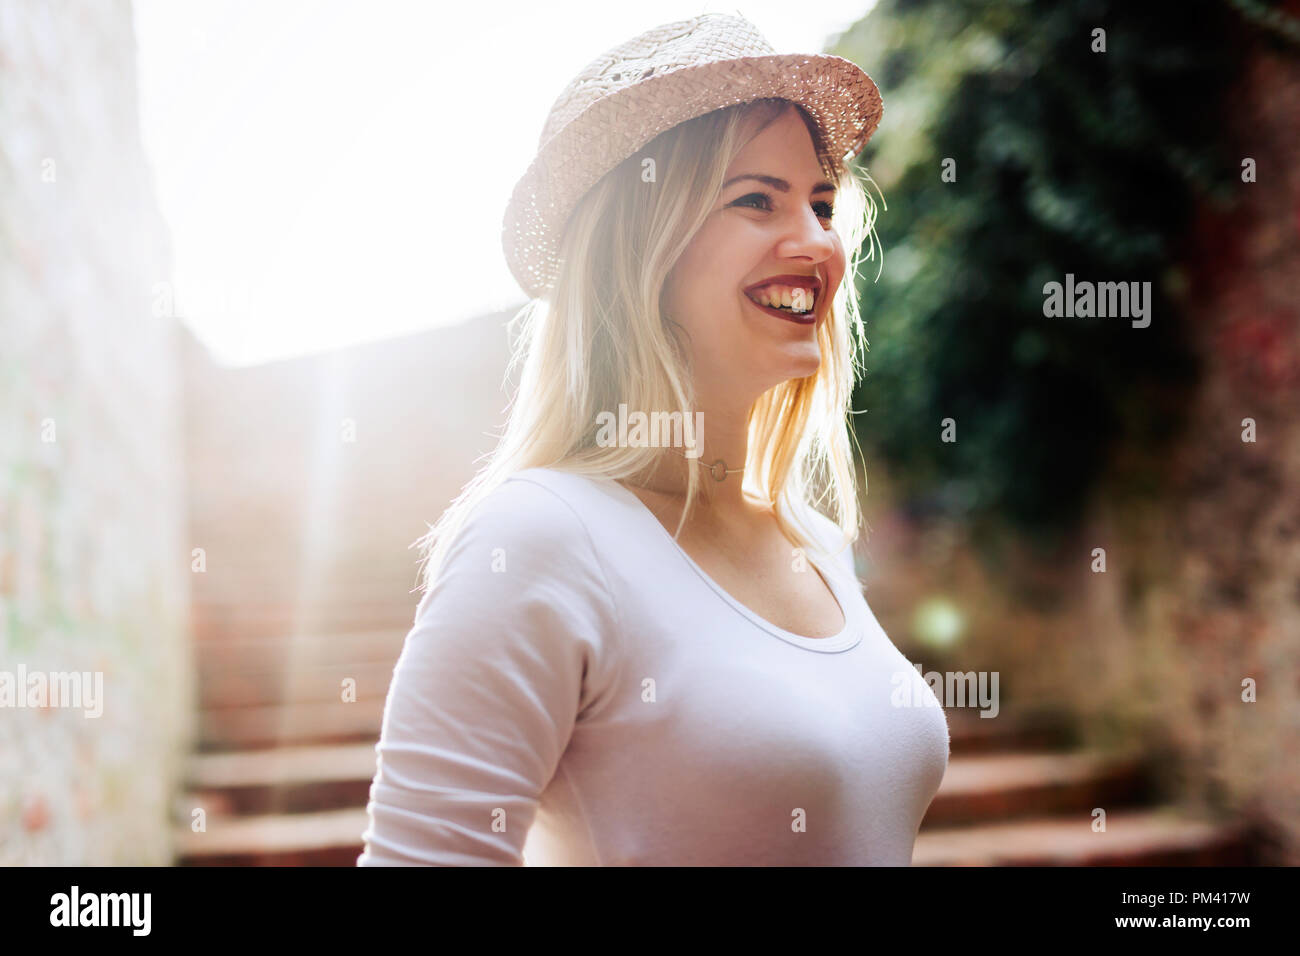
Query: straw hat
x,y
632,93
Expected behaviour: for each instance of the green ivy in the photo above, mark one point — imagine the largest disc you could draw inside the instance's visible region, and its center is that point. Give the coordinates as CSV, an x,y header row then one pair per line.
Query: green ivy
x,y
1067,161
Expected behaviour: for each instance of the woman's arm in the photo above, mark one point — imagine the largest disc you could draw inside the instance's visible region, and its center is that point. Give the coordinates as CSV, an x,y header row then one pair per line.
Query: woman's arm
x,y
488,685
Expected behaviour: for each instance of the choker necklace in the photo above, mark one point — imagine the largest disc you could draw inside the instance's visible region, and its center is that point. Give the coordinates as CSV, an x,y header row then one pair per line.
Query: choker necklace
x,y
718,469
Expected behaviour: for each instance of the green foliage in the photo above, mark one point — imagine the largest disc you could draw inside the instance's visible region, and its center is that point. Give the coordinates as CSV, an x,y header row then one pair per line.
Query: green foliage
x,y
1067,161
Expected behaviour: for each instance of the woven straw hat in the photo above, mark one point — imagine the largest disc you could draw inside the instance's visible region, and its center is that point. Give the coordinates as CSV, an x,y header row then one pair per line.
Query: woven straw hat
x,y
632,93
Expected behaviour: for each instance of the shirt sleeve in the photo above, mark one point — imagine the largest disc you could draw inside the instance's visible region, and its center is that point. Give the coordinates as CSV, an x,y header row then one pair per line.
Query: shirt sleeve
x,y
489,684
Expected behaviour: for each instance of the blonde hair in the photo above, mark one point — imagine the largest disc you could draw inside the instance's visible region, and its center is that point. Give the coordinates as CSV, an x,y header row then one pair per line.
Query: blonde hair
x,y
599,338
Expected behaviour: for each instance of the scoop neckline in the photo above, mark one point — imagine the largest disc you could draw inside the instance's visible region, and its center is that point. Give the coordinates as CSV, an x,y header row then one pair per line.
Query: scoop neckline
x,y
849,636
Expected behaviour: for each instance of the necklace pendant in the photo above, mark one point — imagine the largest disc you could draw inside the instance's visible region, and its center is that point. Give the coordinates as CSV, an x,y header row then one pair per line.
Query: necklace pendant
x,y
718,470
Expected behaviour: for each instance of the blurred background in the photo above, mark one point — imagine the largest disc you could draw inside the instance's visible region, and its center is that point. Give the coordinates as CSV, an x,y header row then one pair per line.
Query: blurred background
x,y
253,342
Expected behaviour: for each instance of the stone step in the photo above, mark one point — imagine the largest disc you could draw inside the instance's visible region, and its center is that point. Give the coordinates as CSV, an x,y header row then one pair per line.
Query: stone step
x,y
282,725
240,652
989,787
287,574
1162,836
283,780
301,683
266,620
246,588
971,734
975,790
239,550
327,838
291,660
1158,837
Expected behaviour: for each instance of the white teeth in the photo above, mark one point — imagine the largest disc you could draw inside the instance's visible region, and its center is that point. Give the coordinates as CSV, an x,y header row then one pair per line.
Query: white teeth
x,y
793,298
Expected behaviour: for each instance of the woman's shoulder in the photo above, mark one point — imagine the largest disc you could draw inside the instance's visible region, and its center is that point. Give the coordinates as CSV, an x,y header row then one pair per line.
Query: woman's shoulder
x,y
564,485
541,507
547,512
529,532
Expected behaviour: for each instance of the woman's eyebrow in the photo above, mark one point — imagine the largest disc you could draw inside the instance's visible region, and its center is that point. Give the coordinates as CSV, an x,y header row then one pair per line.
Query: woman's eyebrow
x,y
779,184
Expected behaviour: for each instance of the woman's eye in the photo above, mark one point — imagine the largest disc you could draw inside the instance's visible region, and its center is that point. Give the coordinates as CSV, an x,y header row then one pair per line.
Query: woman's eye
x,y
745,201
762,201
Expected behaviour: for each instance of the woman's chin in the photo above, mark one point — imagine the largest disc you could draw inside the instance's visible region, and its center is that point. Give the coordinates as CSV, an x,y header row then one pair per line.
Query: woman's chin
x,y
800,361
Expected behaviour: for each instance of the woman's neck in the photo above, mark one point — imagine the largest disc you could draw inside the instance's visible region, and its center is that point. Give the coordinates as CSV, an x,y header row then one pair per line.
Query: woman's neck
x,y
720,502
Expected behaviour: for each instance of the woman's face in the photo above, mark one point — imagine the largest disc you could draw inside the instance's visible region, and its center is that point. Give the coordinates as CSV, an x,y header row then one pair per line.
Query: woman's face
x,y
771,221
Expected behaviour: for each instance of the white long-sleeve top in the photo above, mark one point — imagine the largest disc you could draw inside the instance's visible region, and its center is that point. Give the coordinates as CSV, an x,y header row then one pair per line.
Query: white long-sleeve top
x,y
576,690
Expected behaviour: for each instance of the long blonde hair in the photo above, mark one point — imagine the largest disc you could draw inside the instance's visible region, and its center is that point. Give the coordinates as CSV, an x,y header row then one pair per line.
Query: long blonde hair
x,y
599,337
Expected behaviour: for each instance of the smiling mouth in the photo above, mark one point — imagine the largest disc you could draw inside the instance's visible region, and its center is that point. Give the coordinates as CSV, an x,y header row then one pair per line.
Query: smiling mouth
x,y
789,315
793,298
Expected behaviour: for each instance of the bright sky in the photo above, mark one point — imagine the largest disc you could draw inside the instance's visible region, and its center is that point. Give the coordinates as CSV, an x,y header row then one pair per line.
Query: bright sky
x,y
336,171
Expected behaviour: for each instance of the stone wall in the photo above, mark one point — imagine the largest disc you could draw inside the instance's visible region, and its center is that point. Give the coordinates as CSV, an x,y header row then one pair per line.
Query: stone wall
x,y
1193,634
94,565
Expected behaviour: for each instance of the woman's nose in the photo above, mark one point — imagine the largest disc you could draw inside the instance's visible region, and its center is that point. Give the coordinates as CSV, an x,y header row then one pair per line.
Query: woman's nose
x,y
808,237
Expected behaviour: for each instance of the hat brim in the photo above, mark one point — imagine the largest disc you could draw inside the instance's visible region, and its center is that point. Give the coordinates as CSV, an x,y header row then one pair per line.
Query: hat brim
x,y
838,93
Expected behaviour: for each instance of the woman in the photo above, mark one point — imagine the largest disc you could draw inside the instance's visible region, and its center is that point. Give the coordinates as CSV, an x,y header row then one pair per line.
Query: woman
x,y
645,651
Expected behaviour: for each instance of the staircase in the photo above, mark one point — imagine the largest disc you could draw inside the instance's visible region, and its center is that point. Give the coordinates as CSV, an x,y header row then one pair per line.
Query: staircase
x,y
286,771
284,767
1017,794
307,481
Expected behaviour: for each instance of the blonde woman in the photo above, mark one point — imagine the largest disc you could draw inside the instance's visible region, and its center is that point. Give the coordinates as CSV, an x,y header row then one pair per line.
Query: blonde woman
x,y
644,645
